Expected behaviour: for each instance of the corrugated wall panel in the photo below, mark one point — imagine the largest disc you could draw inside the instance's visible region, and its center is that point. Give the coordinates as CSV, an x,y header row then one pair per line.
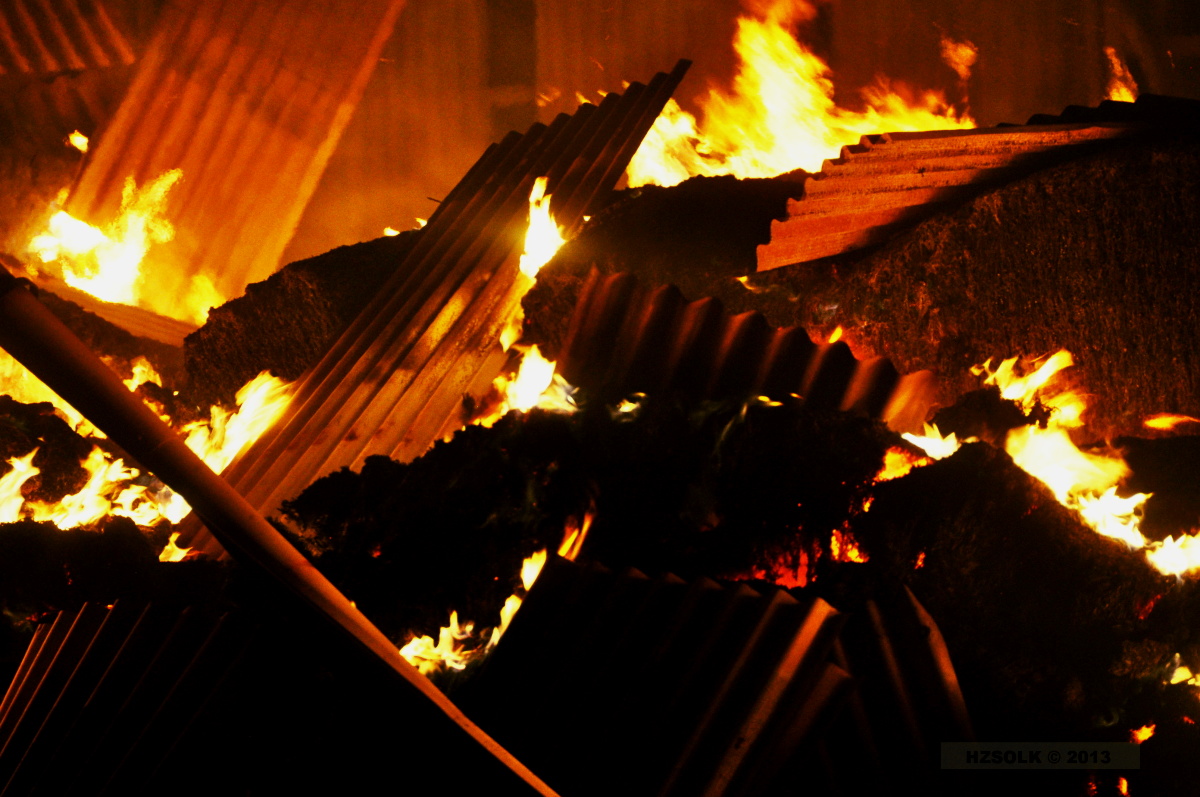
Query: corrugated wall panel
x,y
45,37
249,100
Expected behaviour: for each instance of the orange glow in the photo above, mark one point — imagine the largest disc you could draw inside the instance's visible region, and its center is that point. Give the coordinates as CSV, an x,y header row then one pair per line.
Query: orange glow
x,y
390,232
920,561
1121,85
1123,787
836,334
78,140
1142,734
1165,421
780,114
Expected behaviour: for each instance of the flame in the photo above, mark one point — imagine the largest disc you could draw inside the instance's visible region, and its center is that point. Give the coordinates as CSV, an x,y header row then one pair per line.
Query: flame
x,y
260,402
107,492
533,379
78,140
143,373
933,443
1165,421
844,548
1123,787
1121,85
1141,733
390,231
11,483
898,462
543,238
780,115
836,334
171,552
21,385
574,535
458,644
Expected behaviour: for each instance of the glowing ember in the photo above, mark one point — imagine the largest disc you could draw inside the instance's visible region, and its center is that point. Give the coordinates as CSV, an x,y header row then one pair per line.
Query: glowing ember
x,y
543,238
575,534
1167,422
78,140
1142,734
1121,85
780,115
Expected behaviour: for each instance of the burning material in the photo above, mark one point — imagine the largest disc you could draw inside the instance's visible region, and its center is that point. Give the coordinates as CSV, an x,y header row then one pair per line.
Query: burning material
x,y
1168,422
1121,85
543,238
780,115
78,140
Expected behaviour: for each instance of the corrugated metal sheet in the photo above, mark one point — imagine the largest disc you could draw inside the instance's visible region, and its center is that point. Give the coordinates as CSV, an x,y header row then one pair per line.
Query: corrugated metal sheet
x,y
889,182
45,37
248,99
400,372
617,683
625,338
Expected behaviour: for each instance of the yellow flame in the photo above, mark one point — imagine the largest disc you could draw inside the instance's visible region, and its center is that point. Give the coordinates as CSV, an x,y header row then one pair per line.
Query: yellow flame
x,y
172,552
11,483
1121,85
458,644
543,238
534,377
78,140
575,534
780,114
836,334
390,231
143,373
933,443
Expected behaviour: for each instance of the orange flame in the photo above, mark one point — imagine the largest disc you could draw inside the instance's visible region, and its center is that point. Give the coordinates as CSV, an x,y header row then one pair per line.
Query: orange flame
x,y
844,548
575,534
1121,85
172,552
543,238
780,115
836,334
1142,734
78,140
897,462
11,483
1165,421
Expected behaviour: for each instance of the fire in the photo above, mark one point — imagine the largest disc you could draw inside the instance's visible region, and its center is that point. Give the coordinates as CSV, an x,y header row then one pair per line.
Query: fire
x,y
107,492
143,373
78,140
11,483
390,232
844,548
1141,733
172,552
898,462
107,261
1121,85
543,238
1164,421
575,534
458,644
836,334
533,379
780,115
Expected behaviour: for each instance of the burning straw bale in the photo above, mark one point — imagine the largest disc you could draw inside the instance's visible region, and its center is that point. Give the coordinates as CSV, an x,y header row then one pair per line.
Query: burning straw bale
x,y
1038,609
286,322
708,489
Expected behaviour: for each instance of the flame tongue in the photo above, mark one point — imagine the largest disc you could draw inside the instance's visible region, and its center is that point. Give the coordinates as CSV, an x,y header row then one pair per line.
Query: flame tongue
x,y
780,115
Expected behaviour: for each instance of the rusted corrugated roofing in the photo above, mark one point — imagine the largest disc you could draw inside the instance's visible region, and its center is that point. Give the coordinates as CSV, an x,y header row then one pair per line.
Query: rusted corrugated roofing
x,y
399,373
45,37
248,100
888,182
625,338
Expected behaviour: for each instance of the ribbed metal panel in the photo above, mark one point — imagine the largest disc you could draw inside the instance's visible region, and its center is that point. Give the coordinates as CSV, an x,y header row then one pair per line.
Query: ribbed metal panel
x,y
248,99
399,373
610,682
890,181
625,338
45,37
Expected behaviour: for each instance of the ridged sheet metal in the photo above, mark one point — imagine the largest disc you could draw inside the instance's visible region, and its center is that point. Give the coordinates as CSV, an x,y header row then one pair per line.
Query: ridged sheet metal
x,y
46,37
891,181
399,374
624,338
248,100
619,683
